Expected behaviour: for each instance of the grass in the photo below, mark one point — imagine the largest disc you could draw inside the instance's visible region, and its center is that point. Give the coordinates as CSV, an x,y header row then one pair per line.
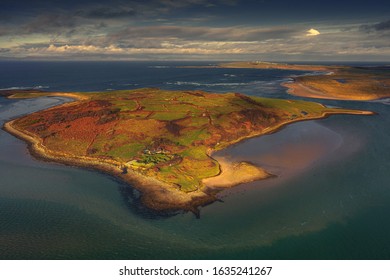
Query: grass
x,y
162,134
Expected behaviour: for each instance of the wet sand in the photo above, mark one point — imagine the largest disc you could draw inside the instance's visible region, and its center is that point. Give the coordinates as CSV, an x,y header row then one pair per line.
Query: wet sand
x,y
299,89
235,173
295,154
338,82
288,152
156,194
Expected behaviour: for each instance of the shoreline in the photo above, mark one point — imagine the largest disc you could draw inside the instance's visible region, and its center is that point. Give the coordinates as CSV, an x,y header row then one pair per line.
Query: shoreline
x,y
338,83
156,194
151,189
297,88
281,66
74,96
235,173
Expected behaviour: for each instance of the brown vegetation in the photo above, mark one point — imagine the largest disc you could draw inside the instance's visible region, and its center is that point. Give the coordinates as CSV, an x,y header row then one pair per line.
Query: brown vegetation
x,y
161,141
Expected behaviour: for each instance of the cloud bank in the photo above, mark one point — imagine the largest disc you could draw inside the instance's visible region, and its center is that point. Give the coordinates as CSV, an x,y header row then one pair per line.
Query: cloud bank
x,y
185,30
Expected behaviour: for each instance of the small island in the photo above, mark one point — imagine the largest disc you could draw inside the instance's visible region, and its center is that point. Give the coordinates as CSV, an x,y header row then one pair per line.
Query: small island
x,y
160,142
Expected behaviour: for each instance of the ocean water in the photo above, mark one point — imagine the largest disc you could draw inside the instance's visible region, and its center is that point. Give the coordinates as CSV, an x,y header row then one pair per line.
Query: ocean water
x,y
330,199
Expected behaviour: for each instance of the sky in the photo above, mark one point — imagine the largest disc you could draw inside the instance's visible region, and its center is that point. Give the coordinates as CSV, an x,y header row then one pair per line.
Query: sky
x,y
269,30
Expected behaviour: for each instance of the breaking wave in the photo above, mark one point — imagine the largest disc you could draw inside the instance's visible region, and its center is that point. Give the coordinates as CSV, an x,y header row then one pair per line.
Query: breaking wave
x,y
314,73
385,101
24,88
129,84
159,66
232,84
178,83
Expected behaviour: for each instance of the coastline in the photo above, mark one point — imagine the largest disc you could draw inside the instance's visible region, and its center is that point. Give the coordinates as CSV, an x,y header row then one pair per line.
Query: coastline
x,y
299,89
153,191
281,66
339,82
156,194
74,96
235,173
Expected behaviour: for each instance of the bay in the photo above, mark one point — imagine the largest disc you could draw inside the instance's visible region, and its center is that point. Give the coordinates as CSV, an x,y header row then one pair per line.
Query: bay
x,y
329,201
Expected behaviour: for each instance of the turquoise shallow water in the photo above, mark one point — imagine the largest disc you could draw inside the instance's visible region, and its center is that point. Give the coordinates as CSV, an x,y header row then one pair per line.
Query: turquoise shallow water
x,y
331,201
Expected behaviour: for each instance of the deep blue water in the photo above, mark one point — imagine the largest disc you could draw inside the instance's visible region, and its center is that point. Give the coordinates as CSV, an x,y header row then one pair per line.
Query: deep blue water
x,y
331,199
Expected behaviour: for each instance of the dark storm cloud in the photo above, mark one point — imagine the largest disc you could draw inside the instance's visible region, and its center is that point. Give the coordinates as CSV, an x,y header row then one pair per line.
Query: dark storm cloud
x,y
21,16
164,29
102,8
204,33
385,25
380,26
107,13
33,45
50,23
3,31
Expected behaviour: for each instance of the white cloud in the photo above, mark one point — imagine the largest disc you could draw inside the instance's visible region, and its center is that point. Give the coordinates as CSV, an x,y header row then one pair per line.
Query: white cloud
x,y
312,32
206,48
198,42
67,48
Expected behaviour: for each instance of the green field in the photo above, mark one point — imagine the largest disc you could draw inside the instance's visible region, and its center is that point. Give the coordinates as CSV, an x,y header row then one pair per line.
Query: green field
x,y
167,135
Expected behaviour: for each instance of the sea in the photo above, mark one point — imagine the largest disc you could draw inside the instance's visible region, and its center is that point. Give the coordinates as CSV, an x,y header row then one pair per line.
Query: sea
x,y
330,199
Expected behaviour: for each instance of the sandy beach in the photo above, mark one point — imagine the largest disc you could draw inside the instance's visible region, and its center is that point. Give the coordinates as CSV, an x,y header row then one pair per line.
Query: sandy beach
x,y
335,82
158,194
235,173
155,194
299,89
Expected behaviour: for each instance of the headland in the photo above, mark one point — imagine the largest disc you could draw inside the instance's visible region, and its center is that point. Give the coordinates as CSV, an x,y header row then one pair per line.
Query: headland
x,y
160,142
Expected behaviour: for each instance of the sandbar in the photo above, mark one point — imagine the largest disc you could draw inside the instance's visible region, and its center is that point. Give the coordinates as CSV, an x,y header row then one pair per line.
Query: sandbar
x,y
331,82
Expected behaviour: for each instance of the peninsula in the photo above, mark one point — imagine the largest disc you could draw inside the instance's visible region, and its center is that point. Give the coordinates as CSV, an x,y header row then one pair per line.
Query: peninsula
x,y
160,142
335,82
